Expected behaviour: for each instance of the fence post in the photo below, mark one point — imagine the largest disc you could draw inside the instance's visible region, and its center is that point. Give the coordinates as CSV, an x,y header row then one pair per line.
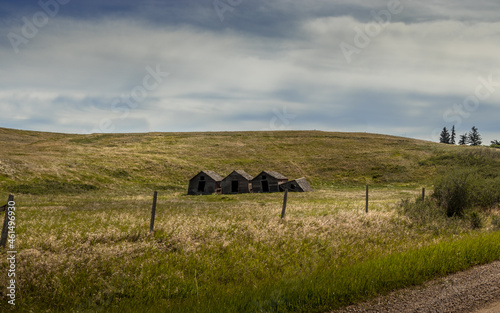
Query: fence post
x,y
366,208
284,204
5,228
423,194
153,211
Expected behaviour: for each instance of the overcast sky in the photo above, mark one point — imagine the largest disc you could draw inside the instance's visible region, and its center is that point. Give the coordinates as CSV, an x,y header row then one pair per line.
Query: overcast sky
x,y
403,68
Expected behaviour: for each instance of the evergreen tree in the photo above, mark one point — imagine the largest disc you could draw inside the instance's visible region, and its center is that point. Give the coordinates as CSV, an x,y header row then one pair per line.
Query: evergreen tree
x,y
453,135
463,139
474,137
445,136
495,143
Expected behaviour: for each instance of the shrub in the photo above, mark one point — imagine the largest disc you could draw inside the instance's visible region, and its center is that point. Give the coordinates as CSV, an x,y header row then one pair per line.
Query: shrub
x,y
476,221
495,222
487,193
422,212
454,192
460,190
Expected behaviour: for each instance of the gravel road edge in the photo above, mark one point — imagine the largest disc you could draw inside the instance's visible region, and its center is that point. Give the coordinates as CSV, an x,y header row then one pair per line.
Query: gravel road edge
x,y
474,290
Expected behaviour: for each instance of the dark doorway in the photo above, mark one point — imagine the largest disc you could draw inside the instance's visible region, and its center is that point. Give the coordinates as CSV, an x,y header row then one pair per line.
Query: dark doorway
x,y
234,186
201,186
265,186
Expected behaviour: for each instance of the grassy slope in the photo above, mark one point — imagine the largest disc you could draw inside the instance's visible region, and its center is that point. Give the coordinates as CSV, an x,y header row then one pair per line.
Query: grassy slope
x,y
166,161
83,249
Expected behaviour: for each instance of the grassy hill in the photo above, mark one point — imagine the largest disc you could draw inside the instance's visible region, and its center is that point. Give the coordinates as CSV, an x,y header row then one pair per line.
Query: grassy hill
x,y
38,162
83,205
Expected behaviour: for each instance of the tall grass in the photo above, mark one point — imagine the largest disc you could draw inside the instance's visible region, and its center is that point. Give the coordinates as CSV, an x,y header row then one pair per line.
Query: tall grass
x,y
330,287
461,190
92,252
83,219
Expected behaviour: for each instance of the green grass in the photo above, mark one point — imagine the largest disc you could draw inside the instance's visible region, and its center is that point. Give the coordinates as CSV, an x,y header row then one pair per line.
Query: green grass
x,y
330,288
232,253
83,220
50,186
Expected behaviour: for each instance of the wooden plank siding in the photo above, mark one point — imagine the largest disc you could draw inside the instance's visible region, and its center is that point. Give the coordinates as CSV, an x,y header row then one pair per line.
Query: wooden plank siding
x,y
268,181
237,182
205,183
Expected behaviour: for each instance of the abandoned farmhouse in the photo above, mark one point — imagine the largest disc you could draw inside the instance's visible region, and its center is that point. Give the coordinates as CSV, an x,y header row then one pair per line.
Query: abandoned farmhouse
x,y
268,181
237,182
209,182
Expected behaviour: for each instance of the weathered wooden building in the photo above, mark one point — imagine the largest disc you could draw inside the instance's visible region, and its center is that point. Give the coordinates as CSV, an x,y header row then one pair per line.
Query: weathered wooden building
x,y
205,183
297,185
238,181
268,181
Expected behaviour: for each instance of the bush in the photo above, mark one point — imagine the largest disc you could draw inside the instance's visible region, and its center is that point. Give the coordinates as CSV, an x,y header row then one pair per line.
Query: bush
x,y
487,193
460,190
454,192
476,221
495,222
421,212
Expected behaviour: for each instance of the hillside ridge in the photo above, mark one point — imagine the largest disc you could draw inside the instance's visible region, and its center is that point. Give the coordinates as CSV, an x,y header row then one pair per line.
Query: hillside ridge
x,y
166,161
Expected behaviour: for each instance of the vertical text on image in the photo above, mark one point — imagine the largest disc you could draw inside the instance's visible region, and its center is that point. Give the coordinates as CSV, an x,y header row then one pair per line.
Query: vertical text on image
x,y
11,253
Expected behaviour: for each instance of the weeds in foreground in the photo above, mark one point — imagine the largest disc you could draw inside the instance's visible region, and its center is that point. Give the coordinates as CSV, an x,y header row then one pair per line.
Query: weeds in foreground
x,y
209,253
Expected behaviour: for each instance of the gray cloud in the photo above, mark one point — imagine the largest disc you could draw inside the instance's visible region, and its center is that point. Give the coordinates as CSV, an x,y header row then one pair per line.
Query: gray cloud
x,y
231,75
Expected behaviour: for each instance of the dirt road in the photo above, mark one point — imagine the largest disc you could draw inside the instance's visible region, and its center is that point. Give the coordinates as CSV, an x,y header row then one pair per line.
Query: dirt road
x,y
492,308
474,291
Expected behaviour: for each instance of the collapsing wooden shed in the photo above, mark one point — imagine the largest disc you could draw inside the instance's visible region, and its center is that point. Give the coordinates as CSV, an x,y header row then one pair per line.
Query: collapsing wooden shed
x,y
205,183
268,181
297,185
237,182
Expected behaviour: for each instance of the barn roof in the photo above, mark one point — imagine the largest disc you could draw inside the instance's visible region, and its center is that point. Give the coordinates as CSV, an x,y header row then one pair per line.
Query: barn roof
x,y
304,184
244,174
211,174
272,174
300,182
276,175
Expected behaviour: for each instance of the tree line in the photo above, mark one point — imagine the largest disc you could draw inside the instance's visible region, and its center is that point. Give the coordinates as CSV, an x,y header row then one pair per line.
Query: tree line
x,y
472,138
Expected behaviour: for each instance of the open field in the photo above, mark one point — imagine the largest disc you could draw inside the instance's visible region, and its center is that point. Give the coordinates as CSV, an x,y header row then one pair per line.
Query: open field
x,y
34,162
83,205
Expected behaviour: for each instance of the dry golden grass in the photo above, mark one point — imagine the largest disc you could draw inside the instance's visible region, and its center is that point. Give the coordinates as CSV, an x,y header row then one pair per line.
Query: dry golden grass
x,y
84,204
97,250
165,161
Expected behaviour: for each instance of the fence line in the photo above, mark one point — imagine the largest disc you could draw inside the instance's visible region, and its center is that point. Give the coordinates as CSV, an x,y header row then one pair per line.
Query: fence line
x,y
153,212
366,207
283,210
